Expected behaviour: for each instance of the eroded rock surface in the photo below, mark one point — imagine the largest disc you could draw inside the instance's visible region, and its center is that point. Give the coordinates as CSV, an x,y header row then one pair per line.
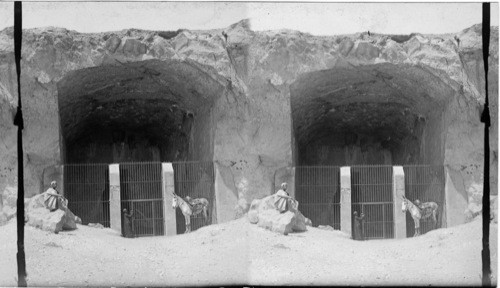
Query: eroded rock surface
x,y
263,213
8,204
245,82
37,215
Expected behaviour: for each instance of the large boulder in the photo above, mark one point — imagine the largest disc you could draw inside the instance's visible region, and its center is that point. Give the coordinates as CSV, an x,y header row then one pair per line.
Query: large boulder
x,y
3,219
37,215
266,203
326,227
263,213
476,209
9,212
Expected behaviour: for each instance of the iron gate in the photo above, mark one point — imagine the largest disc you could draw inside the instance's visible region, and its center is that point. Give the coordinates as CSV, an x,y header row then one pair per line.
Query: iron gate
x,y
140,190
196,180
317,188
86,186
425,183
372,195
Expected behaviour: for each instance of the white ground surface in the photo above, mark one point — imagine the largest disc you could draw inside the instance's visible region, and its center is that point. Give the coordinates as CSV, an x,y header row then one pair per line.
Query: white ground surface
x,y
240,253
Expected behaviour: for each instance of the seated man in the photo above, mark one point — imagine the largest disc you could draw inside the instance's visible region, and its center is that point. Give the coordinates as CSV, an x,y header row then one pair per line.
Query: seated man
x,y
190,200
53,200
283,200
419,204
197,204
193,202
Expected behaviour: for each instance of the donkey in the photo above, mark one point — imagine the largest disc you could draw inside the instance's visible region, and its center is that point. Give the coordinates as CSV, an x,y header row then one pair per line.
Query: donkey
x,y
426,210
191,207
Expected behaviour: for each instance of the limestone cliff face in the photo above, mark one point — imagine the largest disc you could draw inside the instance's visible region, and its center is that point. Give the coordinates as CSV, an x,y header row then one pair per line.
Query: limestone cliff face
x,y
250,78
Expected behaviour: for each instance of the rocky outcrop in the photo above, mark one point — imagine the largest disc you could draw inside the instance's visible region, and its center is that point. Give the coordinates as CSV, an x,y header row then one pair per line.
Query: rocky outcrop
x,y
263,213
494,209
475,209
8,204
246,78
326,227
37,215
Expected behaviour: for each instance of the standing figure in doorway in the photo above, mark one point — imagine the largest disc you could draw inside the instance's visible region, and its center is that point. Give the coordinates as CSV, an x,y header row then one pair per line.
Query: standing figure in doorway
x,y
128,224
358,233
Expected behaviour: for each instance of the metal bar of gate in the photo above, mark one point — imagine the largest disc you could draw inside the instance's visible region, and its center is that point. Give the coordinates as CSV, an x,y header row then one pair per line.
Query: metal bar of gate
x,y
86,186
372,195
154,220
195,179
383,226
317,189
141,191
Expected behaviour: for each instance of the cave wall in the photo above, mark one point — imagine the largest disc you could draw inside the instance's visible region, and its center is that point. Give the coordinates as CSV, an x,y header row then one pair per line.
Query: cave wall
x,y
339,149
41,120
201,136
433,140
114,146
251,127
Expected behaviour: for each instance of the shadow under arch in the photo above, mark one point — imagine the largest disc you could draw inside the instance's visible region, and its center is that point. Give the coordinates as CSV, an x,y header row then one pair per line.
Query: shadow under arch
x,y
374,114
140,111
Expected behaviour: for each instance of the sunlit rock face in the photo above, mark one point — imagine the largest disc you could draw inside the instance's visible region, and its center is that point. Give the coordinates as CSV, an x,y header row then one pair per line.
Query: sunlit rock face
x,y
254,102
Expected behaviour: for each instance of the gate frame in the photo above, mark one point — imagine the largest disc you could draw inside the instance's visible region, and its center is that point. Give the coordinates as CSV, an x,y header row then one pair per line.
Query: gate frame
x,y
345,200
442,202
289,175
212,213
168,189
398,190
115,213
60,173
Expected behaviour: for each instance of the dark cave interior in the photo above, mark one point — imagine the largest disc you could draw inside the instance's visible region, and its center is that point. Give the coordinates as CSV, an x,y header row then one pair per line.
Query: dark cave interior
x,y
381,114
135,112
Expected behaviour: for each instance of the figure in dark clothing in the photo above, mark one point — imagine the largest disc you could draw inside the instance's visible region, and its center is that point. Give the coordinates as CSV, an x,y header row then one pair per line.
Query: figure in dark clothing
x,y
362,224
358,233
128,221
458,40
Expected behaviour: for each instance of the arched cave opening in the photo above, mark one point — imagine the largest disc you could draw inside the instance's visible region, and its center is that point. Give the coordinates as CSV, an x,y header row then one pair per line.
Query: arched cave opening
x,y
150,112
381,114
134,112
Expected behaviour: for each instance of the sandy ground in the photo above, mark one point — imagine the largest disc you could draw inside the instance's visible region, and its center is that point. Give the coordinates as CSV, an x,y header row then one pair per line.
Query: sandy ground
x,y
240,253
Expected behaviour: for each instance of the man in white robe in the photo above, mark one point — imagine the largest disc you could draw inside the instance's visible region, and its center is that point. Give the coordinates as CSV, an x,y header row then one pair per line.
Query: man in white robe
x,y
283,200
53,200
